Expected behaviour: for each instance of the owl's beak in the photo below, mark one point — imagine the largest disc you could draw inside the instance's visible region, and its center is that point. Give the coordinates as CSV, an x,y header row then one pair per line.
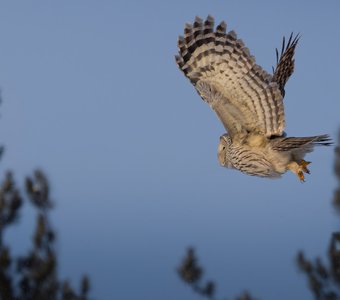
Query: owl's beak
x,y
221,159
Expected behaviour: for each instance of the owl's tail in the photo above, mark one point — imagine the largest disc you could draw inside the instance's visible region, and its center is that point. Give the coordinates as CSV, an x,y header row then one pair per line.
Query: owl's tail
x,y
303,144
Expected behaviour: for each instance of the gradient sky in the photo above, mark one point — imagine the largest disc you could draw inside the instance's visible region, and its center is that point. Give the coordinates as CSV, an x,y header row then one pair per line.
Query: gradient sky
x,y
91,95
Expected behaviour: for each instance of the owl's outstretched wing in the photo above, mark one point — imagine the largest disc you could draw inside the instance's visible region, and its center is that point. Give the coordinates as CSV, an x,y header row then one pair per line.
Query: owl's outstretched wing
x,y
285,62
242,94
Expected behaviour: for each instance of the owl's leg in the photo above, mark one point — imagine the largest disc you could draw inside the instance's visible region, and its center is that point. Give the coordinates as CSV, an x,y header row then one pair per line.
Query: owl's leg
x,y
304,165
299,168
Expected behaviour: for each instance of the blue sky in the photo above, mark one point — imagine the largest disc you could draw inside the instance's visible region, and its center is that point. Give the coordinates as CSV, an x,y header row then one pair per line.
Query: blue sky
x,y
91,95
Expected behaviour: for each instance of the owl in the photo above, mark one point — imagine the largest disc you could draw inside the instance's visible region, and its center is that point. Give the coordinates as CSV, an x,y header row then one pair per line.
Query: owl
x,y
247,100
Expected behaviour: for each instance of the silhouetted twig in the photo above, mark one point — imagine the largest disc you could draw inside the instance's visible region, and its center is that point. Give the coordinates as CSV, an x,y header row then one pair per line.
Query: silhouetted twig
x,y
324,280
191,273
336,200
32,276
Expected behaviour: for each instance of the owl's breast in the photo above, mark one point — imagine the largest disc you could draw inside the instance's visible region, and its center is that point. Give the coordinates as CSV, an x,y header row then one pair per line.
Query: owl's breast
x,y
256,161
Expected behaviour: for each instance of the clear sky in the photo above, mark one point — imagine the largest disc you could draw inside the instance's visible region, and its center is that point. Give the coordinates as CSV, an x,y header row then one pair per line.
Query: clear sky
x,y
92,95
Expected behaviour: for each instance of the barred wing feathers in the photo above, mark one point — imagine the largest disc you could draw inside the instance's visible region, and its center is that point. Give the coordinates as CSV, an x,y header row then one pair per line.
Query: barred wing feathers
x,y
242,94
301,143
285,62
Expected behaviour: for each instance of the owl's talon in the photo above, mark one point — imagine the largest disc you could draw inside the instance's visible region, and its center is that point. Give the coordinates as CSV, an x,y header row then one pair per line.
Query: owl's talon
x,y
299,169
301,176
304,165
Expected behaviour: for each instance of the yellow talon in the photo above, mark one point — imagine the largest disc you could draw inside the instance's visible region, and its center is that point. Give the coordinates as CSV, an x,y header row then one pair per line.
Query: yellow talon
x,y
299,168
304,165
301,176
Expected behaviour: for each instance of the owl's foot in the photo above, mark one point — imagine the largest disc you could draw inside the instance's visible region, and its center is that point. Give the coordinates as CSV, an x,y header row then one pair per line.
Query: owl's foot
x,y
299,169
304,165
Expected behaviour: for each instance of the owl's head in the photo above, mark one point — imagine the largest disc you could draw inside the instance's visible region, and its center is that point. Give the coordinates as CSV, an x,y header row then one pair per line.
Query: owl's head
x,y
223,151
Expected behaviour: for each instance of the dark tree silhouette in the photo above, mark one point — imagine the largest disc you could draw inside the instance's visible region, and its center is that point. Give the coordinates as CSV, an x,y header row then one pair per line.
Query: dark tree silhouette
x,y
191,273
336,200
324,279
32,276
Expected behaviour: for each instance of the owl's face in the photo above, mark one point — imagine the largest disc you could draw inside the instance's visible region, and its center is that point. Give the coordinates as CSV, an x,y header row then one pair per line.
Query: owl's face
x,y
223,151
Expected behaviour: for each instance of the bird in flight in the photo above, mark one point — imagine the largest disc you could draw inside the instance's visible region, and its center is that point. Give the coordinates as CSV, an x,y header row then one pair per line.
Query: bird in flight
x,y
247,100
